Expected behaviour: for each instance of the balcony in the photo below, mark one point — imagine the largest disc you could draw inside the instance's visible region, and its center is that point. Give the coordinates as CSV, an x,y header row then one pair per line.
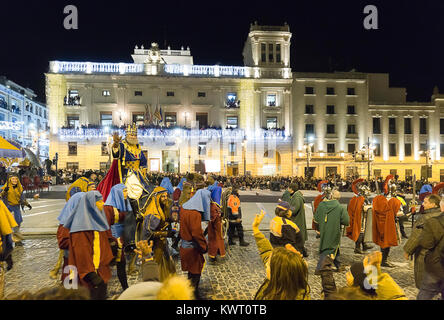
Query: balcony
x,y
324,156
229,104
4,105
72,101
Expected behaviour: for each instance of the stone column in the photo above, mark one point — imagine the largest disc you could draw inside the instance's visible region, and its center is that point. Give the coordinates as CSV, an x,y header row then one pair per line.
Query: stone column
x,y
385,139
401,141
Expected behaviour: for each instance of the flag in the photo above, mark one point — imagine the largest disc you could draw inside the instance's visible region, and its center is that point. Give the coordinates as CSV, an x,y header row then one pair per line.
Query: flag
x,y
157,114
161,116
148,115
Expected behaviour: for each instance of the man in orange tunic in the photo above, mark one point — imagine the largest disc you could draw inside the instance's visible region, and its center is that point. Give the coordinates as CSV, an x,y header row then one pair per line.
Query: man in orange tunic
x,y
89,248
357,213
194,244
216,243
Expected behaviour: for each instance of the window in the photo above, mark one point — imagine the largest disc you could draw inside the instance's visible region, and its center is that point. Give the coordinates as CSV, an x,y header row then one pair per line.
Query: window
x,y
309,129
202,119
278,53
44,113
377,172
72,148
407,125
73,121
330,148
442,148
27,107
106,93
422,147
330,128
202,148
232,148
376,125
14,119
138,93
72,165
408,149
309,90
232,101
2,117
106,118
271,122
351,147
138,119
271,100
351,91
351,110
309,109
270,52
394,172
351,129
441,175
331,109
104,148
73,98
392,149
263,53
422,126
330,91
170,93
408,173
441,126
170,119
377,151
103,166
201,94
392,125
232,122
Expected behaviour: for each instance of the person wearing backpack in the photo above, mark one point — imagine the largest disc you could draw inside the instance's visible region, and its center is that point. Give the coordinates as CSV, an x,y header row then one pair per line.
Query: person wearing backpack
x,y
432,239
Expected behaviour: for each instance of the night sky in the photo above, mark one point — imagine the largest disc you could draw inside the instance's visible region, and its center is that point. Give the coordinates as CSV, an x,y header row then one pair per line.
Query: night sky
x,y
327,36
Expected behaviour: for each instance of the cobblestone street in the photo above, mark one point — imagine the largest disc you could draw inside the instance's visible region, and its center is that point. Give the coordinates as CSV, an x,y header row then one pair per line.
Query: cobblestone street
x,y
238,277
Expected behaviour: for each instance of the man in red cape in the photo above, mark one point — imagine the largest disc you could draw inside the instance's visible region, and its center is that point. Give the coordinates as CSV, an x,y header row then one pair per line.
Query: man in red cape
x,y
384,224
355,230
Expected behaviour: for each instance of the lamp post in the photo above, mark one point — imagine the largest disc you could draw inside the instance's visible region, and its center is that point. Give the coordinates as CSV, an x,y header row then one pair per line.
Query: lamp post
x,y
427,153
308,154
244,147
186,116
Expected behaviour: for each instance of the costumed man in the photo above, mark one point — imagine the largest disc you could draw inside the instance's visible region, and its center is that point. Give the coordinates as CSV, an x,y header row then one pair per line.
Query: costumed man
x,y
424,192
116,208
89,245
193,183
166,184
129,167
297,204
14,199
7,223
398,203
235,219
194,244
177,192
82,184
157,227
322,188
384,223
216,243
358,212
63,235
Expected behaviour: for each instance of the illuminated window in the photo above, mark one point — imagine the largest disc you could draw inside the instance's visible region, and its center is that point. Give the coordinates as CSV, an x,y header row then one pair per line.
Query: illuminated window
x,y
139,119
170,119
73,121
106,93
202,148
232,148
232,122
271,100
272,122
2,117
106,118
309,129
104,149
202,119
72,165
232,101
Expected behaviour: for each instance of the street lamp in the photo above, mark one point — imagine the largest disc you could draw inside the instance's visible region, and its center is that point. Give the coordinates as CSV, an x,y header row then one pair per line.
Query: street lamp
x,y
244,145
307,148
427,153
186,116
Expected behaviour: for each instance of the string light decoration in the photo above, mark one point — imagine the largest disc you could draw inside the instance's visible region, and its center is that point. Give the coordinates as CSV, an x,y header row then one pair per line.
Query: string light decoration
x,y
7,125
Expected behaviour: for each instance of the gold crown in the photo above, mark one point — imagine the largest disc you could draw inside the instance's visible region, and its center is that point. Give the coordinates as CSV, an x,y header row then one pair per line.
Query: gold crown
x,y
131,129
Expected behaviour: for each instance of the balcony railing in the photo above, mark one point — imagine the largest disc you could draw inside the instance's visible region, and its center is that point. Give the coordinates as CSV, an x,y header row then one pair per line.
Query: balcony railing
x,y
71,101
203,70
94,67
232,104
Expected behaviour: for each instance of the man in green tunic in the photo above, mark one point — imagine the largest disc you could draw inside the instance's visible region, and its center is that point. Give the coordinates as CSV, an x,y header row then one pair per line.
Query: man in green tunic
x,y
296,201
328,219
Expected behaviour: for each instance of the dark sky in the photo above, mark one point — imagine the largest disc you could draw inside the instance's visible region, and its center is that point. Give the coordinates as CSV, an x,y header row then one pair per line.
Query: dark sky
x,y
408,43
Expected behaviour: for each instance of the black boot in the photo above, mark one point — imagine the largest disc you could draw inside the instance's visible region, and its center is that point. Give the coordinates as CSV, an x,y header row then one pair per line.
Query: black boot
x,y
366,246
9,263
195,279
358,244
385,253
231,242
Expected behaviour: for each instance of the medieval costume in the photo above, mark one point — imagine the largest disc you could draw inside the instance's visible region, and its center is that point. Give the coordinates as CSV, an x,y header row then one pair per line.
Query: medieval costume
x,y
63,235
7,223
424,192
82,184
297,205
177,192
216,243
166,184
235,220
157,227
13,197
329,217
116,207
194,245
358,212
89,247
384,226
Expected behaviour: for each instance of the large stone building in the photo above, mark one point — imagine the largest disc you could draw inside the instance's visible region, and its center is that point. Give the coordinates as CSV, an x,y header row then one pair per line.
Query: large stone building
x,y
259,119
22,118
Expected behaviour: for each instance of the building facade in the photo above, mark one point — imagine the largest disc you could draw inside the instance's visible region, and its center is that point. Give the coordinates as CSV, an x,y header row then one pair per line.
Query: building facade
x,y
258,119
23,119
